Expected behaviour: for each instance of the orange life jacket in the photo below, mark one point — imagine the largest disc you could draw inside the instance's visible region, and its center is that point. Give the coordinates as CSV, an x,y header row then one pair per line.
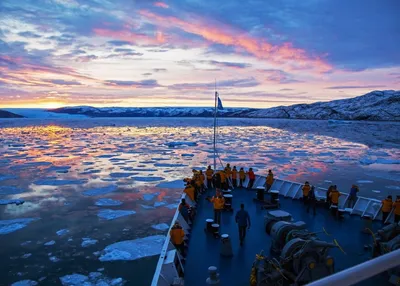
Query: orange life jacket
x,y
234,174
251,174
190,192
177,234
387,205
218,203
270,179
209,174
334,195
396,206
306,190
242,175
223,176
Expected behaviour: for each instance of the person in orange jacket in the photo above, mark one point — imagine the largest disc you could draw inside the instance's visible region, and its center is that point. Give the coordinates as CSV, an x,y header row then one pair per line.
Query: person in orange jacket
x,y
252,178
242,177
269,181
306,189
334,197
219,203
177,235
387,205
396,206
190,191
234,176
209,174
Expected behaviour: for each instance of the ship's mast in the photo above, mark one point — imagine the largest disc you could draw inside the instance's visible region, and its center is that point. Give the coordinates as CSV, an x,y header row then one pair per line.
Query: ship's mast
x,y
215,127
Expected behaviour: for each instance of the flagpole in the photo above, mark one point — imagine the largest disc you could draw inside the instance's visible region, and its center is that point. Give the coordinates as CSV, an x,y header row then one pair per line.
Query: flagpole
x,y
215,127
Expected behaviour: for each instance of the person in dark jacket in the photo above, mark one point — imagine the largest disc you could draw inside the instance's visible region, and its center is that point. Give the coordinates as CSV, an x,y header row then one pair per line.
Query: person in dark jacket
x,y
352,197
311,200
242,218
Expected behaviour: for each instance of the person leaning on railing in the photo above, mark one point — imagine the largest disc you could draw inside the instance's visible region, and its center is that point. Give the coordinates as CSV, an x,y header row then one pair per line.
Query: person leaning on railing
x,y
252,178
396,206
353,196
387,205
269,180
177,237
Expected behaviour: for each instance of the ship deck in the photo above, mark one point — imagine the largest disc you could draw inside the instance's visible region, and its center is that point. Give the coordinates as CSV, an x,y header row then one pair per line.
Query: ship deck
x,y
204,249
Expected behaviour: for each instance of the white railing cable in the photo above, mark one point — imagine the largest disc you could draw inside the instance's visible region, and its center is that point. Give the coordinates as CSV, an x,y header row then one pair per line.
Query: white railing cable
x,y
361,271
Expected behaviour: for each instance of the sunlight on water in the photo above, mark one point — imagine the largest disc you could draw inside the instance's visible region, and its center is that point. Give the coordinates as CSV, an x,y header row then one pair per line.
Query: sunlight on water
x,y
62,171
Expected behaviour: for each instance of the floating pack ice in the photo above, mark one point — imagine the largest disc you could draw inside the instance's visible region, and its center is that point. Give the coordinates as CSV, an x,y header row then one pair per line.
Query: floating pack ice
x,y
94,279
181,143
133,249
109,214
11,225
148,179
107,202
100,191
10,202
51,242
160,226
62,231
87,241
25,283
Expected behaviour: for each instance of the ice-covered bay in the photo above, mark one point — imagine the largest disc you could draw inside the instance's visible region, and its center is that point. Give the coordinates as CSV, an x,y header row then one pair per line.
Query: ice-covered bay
x,y
109,180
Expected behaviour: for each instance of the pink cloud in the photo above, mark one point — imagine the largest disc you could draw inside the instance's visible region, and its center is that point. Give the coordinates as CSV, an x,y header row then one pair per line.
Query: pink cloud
x,y
219,33
161,5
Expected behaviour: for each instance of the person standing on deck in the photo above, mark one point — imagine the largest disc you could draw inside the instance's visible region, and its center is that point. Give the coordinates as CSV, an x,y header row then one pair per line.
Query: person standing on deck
x,y
209,174
269,180
223,178
219,203
311,200
242,218
177,238
387,205
328,196
242,177
201,179
396,206
234,177
353,196
217,181
306,190
190,191
334,196
252,178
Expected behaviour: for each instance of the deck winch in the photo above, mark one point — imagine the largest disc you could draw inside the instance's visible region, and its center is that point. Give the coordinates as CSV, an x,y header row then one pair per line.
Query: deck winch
x,y
303,257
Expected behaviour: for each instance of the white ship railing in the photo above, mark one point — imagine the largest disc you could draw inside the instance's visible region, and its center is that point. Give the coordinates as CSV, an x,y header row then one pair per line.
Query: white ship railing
x,y
362,271
165,274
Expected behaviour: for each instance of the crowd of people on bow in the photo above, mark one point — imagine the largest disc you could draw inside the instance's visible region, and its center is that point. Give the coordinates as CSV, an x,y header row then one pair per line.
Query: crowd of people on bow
x,y
231,178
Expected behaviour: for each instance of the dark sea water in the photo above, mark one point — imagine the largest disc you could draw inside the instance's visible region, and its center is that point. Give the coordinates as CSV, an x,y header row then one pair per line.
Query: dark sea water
x,y
88,183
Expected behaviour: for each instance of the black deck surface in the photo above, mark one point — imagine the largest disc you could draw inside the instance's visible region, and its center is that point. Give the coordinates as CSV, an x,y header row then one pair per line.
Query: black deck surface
x,y
204,249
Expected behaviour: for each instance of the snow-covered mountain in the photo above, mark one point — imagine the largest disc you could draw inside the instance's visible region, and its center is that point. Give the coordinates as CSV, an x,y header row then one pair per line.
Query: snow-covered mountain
x,y
376,105
7,114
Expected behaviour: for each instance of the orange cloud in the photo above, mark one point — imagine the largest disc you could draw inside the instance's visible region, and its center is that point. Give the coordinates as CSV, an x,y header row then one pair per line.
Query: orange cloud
x,y
161,5
285,55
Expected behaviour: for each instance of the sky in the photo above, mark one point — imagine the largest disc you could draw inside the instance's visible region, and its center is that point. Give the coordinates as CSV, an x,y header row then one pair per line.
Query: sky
x,y
260,53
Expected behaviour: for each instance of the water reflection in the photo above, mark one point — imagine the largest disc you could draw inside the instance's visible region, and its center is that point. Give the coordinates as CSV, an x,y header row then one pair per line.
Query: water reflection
x,y
62,170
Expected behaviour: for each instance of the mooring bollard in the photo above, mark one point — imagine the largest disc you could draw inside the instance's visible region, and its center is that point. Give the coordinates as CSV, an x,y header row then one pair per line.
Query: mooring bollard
x,y
213,278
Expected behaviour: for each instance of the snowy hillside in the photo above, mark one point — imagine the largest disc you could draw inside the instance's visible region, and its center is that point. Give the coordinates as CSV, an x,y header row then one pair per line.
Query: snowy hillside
x,y
376,105
7,114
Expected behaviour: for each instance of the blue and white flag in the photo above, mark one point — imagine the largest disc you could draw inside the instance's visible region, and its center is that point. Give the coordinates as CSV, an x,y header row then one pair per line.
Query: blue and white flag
x,y
220,107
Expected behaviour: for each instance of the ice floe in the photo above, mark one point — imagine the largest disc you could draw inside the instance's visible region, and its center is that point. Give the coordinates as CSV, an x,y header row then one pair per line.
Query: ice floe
x,y
26,255
25,283
149,197
11,225
107,202
159,204
160,226
109,214
62,232
365,182
172,206
148,179
51,242
10,202
393,187
147,207
100,191
376,191
180,143
177,184
121,175
54,259
93,279
133,249
26,242
59,182
87,241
